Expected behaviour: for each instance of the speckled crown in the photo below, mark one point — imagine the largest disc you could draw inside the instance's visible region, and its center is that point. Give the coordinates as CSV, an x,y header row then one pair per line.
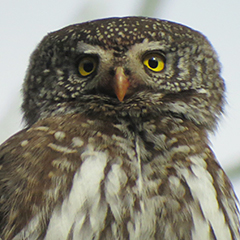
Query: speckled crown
x,y
124,31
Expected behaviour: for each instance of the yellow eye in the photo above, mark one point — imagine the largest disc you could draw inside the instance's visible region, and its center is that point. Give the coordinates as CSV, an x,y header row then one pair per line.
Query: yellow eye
x,y
154,62
86,66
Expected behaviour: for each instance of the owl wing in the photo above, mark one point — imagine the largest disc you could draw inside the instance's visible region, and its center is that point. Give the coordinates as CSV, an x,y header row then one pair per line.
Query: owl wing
x,y
214,204
36,170
54,158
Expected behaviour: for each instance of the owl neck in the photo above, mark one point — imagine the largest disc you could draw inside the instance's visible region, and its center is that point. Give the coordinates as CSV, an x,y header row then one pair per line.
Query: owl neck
x,y
191,106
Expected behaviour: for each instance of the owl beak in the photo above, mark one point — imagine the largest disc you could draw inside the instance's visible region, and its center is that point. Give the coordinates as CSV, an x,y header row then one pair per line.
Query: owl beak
x,y
121,83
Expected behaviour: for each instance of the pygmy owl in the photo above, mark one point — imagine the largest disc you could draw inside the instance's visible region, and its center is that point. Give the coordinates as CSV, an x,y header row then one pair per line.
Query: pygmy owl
x,y
116,146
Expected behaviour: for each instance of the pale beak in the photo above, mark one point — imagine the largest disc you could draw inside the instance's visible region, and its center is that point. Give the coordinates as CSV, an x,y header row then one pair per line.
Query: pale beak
x,y
121,84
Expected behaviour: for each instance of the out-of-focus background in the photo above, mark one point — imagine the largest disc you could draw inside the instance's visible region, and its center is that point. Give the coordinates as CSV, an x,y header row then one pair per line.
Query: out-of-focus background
x,y
24,23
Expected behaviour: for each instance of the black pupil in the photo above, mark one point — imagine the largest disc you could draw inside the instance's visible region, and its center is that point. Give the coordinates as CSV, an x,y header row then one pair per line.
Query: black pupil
x,y
88,67
153,63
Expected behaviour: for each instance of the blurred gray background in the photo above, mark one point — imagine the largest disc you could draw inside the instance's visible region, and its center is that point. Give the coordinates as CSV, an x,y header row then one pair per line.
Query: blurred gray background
x,y
24,23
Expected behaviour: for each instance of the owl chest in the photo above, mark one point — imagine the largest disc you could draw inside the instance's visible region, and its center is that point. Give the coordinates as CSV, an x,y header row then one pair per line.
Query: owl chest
x,y
127,186
120,195
108,196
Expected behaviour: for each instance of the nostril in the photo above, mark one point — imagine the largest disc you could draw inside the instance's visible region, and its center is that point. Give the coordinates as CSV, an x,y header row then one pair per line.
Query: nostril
x,y
127,71
112,72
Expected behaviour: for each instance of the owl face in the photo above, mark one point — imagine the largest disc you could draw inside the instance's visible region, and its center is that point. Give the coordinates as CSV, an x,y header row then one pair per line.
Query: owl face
x,y
117,74
130,66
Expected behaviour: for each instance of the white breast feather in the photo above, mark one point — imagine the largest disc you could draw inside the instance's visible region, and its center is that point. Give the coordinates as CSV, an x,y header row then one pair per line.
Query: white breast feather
x,y
83,201
203,191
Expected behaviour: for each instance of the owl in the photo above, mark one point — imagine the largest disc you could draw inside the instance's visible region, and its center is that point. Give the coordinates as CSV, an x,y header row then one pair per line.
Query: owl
x,y
115,147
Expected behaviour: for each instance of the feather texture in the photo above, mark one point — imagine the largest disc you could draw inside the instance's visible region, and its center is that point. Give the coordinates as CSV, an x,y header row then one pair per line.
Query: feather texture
x,y
116,143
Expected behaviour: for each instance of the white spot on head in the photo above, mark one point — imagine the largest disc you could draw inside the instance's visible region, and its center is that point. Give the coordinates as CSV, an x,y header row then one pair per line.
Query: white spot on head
x,y
59,72
46,70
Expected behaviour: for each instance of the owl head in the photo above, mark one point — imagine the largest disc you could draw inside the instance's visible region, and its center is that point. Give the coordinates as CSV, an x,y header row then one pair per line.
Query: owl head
x,y
132,66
